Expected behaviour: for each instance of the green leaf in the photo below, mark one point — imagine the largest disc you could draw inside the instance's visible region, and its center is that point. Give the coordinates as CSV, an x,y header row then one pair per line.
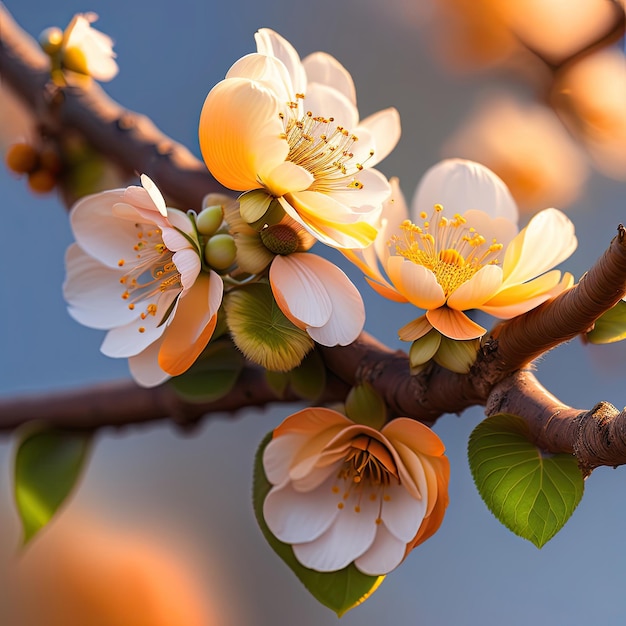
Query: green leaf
x,y
532,493
365,406
339,591
611,326
262,332
212,376
48,463
278,382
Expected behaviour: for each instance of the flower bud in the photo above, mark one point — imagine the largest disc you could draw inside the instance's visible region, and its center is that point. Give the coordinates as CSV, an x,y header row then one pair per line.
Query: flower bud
x,y
220,251
21,158
457,356
280,239
424,348
41,181
51,39
210,219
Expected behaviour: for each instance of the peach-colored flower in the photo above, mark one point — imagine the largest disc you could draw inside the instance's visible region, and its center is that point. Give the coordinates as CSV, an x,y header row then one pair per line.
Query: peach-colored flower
x,y
136,271
466,254
278,128
344,492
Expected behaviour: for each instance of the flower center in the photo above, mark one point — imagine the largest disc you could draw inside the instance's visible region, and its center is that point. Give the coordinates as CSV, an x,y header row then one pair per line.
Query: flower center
x,y
324,149
449,248
368,469
151,272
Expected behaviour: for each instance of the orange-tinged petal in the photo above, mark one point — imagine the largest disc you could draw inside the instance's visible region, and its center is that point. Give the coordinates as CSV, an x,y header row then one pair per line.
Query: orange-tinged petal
x,y
415,282
240,133
286,178
192,326
386,292
415,329
415,435
454,324
310,421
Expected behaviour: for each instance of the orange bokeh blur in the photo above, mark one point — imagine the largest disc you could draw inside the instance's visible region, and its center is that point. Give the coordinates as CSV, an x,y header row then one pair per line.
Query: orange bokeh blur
x,y
527,146
77,573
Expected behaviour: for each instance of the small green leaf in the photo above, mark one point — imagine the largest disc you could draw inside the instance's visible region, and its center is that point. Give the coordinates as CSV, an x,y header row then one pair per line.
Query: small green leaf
x,y
278,382
339,591
262,332
532,493
365,406
48,463
611,326
212,376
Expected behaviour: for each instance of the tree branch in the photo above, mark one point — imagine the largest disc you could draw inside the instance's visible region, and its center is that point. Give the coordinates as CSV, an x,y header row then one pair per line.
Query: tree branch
x,y
597,437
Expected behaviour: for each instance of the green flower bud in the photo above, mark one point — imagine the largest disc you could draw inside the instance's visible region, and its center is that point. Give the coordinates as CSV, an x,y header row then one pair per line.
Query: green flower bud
x,y
424,348
210,219
280,239
50,40
457,356
220,251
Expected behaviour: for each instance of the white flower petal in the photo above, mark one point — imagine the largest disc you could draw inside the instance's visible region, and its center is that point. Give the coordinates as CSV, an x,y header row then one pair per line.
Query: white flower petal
x,y
351,534
93,292
383,556
144,367
348,312
271,43
99,232
299,290
128,340
295,516
385,128
188,264
325,101
477,290
325,69
401,513
278,456
375,191
460,185
154,194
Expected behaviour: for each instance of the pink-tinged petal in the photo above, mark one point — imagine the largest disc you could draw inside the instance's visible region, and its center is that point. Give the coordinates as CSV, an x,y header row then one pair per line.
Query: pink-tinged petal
x,y
300,291
351,534
460,185
93,292
401,513
330,222
372,194
271,43
454,324
295,516
385,127
129,340
188,264
240,133
101,233
278,456
547,240
415,329
383,556
477,290
417,283
348,312
521,298
325,101
286,178
155,194
192,327
172,232
267,71
144,367
325,69
139,198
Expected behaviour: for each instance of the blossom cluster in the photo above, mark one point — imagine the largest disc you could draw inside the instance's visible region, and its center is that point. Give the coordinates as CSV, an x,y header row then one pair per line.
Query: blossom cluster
x,y
287,135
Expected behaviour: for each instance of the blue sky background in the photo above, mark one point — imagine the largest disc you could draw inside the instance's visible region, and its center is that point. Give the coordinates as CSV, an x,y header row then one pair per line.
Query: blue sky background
x,y
195,490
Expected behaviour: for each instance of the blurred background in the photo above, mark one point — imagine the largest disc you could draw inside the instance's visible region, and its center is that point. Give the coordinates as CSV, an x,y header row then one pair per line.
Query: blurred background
x,y
161,530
